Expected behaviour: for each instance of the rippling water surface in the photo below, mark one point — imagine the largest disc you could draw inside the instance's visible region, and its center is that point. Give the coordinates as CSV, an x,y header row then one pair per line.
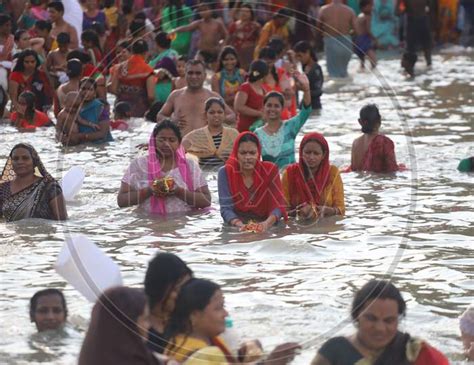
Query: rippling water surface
x,y
297,282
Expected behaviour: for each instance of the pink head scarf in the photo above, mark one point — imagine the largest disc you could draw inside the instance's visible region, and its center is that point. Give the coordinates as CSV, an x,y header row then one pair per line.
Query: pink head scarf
x,y
158,205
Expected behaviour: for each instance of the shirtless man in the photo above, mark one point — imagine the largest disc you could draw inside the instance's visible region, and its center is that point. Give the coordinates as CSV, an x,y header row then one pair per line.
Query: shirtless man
x,y
56,13
74,73
336,21
418,33
56,61
212,33
186,106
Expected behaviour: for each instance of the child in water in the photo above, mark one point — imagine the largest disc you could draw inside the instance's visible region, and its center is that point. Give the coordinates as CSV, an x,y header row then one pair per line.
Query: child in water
x,y
48,310
180,81
373,151
365,42
122,114
68,118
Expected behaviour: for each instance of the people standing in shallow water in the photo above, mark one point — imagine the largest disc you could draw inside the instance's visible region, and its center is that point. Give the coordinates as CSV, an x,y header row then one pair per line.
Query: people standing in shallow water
x,y
165,181
27,190
365,42
118,330
376,311
278,137
372,151
250,189
313,188
165,276
26,117
212,144
48,310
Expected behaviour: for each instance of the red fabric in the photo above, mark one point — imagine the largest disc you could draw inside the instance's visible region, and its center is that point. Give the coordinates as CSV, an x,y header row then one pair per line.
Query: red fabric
x,y
430,356
89,70
40,119
44,96
380,156
119,124
254,101
308,191
266,188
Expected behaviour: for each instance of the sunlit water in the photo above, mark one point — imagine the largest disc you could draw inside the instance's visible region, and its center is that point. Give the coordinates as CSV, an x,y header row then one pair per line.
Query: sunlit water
x,y
295,283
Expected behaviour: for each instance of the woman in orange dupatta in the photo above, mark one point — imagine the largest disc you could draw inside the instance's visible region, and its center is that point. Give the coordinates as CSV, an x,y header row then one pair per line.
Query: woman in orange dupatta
x,y
249,188
133,81
313,187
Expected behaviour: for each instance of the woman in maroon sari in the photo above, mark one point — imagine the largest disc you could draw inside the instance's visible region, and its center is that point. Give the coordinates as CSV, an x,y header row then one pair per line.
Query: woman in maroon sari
x,y
373,151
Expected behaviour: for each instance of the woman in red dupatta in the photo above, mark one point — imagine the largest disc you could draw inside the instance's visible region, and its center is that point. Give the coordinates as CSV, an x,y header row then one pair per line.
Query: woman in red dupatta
x,y
249,188
313,187
133,81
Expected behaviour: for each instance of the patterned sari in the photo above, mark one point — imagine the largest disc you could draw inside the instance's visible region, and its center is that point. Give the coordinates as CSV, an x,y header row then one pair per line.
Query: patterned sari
x,y
32,201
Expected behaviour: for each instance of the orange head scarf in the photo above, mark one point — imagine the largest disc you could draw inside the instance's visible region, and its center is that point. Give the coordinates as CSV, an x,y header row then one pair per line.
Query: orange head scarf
x,y
265,194
303,190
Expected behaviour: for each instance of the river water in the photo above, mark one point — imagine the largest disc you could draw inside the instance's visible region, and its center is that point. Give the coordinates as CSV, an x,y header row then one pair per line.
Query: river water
x,y
296,282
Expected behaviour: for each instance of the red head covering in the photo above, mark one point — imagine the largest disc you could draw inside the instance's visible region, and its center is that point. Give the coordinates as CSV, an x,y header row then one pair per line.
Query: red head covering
x,y
308,191
266,189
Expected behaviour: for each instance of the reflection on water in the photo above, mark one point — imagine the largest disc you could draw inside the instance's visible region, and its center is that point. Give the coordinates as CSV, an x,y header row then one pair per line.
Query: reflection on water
x,y
298,280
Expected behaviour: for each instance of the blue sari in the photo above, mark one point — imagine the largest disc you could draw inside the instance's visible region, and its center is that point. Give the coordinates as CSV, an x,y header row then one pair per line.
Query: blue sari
x,y
92,112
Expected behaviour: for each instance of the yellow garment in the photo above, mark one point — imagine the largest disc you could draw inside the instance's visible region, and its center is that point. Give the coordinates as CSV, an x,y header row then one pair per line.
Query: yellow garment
x,y
183,347
199,143
268,32
112,16
333,193
211,355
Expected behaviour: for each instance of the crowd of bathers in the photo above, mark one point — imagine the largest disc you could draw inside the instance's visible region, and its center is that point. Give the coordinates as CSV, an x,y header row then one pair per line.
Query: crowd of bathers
x,y
265,83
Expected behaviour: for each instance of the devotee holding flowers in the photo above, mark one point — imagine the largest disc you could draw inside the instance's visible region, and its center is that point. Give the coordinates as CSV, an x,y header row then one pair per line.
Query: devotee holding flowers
x,y
313,187
165,181
249,188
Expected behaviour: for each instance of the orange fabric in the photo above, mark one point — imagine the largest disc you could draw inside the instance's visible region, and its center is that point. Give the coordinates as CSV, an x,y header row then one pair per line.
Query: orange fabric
x,y
40,119
267,193
135,71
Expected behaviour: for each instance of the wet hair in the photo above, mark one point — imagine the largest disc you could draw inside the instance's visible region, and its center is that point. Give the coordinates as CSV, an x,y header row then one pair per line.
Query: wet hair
x,y
79,55
167,124
369,118
376,289
249,137
98,27
136,26
270,54
30,99
214,100
274,94
42,293
122,108
277,45
56,5
90,35
303,47
163,40
140,16
21,58
139,47
74,68
153,111
124,44
4,19
182,58
164,271
258,70
63,38
44,25
227,50
18,34
88,80
364,3
195,295
250,7
195,62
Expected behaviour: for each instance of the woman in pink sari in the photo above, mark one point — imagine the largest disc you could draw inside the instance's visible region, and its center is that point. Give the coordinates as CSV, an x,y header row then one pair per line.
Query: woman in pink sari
x,y
373,151
164,181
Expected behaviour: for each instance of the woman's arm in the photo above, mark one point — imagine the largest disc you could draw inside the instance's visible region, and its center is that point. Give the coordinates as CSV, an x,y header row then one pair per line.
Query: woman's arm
x,y
188,28
58,208
215,83
13,87
127,196
150,88
114,84
320,360
338,195
240,107
225,200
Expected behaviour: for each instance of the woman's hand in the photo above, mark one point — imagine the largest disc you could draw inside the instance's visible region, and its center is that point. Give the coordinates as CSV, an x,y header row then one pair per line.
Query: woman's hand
x,y
325,211
302,82
307,211
237,223
282,354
